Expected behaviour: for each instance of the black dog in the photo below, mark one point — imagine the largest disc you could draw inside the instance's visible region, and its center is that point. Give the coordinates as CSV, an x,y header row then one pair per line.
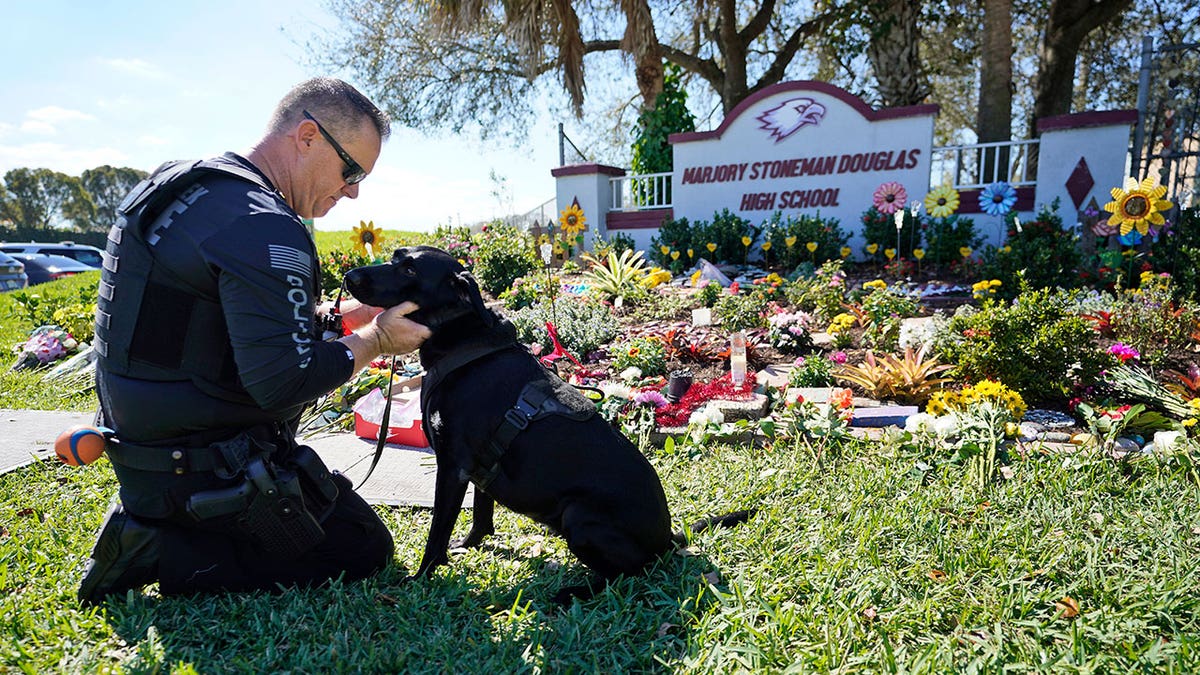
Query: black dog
x,y
496,417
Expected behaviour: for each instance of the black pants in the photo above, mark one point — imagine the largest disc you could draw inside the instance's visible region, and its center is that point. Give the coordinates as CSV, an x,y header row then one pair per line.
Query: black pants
x,y
211,557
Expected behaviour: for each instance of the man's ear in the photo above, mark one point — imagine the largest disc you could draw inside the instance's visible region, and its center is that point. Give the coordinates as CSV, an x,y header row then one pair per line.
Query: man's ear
x,y
468,291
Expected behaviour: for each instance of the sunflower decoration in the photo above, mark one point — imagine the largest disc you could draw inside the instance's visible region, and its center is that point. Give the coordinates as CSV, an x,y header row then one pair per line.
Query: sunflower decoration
x,y
572,220
1138,205
942,201
366,236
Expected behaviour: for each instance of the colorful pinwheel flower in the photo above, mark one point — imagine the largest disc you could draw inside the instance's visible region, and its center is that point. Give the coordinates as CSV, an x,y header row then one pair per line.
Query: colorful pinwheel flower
x,y
997,199
942,201
890,197
1138,205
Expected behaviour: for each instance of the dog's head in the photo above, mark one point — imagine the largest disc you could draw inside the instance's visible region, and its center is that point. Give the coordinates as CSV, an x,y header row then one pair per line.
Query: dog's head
x,y
426,275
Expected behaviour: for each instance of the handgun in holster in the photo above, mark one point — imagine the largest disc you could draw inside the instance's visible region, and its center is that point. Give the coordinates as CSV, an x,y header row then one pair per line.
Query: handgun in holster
x,y
269,505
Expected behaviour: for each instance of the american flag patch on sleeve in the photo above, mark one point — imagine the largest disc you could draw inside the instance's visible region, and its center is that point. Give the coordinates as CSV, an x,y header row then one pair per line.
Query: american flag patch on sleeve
x,y
290,259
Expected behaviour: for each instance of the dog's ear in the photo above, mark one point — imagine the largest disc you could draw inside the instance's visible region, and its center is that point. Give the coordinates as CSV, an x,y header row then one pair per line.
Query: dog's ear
x,y
468,290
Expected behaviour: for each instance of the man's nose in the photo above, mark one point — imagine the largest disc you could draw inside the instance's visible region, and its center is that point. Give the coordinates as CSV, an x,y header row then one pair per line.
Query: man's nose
x,y
350,191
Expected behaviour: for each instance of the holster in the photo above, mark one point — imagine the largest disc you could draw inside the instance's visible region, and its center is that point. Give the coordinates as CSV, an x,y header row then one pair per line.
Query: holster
x,y
279,504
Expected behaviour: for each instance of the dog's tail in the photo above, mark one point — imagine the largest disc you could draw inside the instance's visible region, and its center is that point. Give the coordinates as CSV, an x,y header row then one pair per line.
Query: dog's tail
x,y
727,520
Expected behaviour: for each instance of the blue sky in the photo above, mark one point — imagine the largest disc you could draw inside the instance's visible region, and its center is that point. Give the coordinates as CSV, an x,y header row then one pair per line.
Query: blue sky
x,y
135,83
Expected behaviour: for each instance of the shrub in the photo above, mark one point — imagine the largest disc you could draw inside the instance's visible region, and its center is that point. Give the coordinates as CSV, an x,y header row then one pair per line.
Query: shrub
x,y
1035,345
502,255
1150,320
823,294
740,312
69,303
1045,253
334,266
582,326
880,228
945,236
644,353
726,231
709,293
826,232
1177,252
616,275
676,235
883,310
790,332
815,370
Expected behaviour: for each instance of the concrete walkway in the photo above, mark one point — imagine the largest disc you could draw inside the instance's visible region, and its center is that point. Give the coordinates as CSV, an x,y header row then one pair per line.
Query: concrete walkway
x,y
405,476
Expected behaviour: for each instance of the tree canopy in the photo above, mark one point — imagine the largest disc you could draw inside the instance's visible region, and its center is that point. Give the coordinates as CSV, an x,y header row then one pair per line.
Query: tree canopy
x,y
450,64
46,199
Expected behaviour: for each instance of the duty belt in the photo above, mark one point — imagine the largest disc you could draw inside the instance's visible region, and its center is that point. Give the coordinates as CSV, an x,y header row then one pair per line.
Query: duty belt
x,y
224,458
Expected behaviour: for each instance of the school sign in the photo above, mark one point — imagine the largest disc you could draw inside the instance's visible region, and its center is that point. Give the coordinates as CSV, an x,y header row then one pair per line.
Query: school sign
x,y
801,147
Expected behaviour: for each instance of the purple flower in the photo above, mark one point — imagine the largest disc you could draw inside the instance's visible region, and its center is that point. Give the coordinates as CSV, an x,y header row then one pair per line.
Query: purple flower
x,y
838,357
651,397
1124,352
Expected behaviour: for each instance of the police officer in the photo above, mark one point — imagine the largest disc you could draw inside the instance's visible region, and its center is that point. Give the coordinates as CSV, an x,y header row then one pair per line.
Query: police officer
x,y
208,350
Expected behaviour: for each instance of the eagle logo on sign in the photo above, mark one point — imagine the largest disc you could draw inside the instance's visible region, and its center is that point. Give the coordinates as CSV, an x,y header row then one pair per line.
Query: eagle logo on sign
x,y
790,116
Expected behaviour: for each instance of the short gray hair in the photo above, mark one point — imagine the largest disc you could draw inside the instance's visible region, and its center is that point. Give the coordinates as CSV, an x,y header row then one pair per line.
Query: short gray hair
x,y
339,106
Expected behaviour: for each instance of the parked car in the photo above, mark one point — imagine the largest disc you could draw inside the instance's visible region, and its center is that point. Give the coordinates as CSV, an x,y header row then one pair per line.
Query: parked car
x,y
42,268
12,273
88,255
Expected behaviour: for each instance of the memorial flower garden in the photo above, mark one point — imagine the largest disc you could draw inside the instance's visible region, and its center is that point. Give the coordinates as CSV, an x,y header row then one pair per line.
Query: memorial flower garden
x,y
964,455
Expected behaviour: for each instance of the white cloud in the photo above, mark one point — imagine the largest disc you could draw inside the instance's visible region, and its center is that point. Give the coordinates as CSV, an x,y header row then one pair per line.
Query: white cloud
x,y
136,67
53,114
152,141
69,160
45,121
38,127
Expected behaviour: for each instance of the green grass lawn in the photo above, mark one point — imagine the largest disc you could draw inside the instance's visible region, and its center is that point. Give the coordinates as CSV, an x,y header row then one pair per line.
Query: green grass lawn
x,y
862,562
877,557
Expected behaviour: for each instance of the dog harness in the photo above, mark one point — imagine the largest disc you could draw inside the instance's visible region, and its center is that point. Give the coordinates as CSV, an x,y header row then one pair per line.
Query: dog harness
x,y
537,400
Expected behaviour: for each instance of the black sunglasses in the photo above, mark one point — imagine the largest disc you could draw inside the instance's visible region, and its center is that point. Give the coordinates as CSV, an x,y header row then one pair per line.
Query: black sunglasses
x,y
353,172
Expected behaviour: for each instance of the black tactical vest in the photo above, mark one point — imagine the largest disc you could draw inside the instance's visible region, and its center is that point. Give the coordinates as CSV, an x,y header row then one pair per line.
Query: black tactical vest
x,y
150,325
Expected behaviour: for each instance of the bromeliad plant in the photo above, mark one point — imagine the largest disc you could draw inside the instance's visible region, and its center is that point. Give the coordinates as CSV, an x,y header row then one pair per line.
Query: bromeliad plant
x,y
911,378
617,276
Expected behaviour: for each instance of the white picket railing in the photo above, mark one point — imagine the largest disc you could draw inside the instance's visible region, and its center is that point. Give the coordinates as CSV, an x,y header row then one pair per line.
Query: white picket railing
x,y
963,166
638,193
980,164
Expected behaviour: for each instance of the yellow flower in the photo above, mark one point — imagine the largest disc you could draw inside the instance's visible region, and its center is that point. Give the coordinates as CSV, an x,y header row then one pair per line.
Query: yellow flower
x,y
942,201
674,255
695,277
846,251
994,283
918,253
872,248
1138,205
889,253
665,249
365,237
711,247
790,241
965,251
766,246
811,246
572,221
876,285
746,241
1007,249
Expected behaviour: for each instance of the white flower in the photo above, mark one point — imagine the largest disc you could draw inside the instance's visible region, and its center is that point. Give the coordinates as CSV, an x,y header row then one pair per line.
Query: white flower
x,y
1166,440
945,426
920,422
615,390
631,374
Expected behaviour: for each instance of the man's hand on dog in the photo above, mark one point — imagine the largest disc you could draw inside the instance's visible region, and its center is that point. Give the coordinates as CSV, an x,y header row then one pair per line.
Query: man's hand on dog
x,y
387,331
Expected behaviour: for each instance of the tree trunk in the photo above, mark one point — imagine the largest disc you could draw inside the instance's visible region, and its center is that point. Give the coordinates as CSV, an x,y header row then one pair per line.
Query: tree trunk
x,y
733,48
641,42
994,121
1069,22
894,52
